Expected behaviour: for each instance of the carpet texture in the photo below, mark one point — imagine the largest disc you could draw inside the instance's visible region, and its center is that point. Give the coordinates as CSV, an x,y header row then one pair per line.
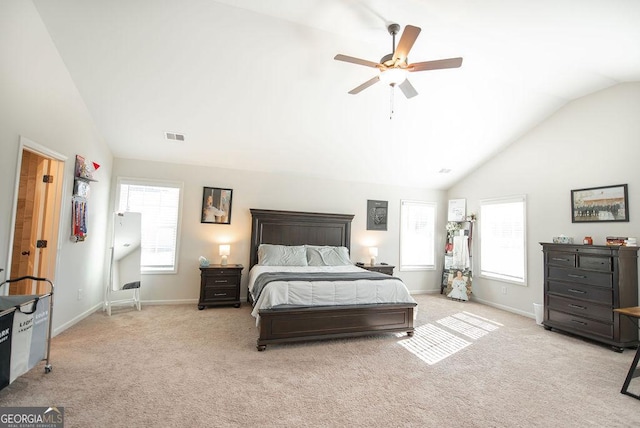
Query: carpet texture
x,y
467,365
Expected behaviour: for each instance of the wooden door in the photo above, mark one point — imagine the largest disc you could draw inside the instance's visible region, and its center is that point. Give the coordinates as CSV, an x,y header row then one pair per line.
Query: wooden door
x,y
36,226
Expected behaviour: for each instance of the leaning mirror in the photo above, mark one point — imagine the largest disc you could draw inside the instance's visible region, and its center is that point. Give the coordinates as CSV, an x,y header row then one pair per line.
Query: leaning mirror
x,y
123,287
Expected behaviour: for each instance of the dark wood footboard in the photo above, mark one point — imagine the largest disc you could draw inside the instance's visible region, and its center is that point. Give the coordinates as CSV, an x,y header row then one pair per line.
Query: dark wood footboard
x,y
324,322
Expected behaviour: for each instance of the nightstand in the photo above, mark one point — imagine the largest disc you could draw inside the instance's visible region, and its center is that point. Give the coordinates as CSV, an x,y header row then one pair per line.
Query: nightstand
x,y
386,269
220,285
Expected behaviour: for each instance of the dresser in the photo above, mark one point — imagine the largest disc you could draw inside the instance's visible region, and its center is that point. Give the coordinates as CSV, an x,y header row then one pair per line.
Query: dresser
x,y
583,284
386,269
220,285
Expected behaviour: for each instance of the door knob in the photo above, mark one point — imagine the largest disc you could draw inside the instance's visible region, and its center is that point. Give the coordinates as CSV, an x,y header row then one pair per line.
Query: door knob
x,y
26,253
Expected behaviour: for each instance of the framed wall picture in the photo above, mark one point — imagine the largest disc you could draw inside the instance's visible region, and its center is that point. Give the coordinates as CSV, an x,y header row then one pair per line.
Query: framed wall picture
x,y
216,205
600,204
377,215
457,210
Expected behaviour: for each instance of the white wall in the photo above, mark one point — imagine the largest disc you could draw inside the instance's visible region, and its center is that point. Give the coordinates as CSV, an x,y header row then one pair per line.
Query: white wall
x,y
278,192
593,141
40,102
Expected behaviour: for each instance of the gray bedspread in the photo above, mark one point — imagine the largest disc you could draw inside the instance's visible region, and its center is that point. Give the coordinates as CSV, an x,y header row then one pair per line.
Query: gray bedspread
x,y
265,278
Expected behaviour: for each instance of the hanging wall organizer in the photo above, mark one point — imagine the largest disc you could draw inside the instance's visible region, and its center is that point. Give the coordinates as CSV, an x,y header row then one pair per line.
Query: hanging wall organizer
x,y
83,176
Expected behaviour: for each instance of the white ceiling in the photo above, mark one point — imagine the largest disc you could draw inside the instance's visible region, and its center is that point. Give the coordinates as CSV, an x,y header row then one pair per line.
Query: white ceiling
x,y
253,85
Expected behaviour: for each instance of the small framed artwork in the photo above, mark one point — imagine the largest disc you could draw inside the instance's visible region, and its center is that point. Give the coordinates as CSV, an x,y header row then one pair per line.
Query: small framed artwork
x,y
458,284
457,210
600,204
377,215
216,205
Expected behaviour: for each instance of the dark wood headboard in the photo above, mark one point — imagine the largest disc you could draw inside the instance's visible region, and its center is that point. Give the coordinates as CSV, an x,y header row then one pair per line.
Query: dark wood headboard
x,y
298,228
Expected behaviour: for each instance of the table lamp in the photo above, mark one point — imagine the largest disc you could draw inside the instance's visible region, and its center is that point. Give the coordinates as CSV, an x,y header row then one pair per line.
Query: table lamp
x,y
225,250
373,252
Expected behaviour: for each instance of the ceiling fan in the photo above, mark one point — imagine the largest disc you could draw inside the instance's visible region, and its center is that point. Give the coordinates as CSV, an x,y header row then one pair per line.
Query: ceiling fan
x,y
394,66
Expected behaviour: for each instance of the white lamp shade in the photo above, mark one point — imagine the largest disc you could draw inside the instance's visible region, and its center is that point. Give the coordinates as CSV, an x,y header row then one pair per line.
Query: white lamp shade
x,y
373,252
225,250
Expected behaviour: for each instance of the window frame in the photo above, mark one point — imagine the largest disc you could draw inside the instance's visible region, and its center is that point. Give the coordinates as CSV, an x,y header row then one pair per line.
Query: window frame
x,y
504,277
157,183
425,267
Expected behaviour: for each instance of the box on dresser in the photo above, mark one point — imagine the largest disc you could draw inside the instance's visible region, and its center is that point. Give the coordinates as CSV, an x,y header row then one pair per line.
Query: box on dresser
x,y
583,284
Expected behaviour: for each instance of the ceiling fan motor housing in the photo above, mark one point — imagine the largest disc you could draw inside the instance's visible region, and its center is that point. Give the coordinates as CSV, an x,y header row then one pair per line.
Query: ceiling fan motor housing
x,y
388,61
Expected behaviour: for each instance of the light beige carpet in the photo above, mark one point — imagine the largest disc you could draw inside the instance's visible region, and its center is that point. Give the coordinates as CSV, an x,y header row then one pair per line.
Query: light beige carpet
x,y
468,365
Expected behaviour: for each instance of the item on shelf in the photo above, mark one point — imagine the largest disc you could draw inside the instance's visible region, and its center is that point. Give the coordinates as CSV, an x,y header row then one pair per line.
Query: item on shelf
x,y
631,242
587,240
562,239
616,240
84,168
203,261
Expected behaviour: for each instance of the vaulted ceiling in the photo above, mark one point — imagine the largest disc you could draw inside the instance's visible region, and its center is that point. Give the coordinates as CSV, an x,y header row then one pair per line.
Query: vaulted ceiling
x,y
252,84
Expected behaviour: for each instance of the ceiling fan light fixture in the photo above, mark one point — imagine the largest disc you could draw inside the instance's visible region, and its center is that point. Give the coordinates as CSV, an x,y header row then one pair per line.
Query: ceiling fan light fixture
x,y
393,76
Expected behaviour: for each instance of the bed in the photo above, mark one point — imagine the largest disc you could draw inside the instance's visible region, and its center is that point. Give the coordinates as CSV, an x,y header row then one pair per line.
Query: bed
x,y
293,323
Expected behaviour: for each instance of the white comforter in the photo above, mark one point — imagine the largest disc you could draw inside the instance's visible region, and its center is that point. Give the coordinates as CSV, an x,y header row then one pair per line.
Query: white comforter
x,y
325,293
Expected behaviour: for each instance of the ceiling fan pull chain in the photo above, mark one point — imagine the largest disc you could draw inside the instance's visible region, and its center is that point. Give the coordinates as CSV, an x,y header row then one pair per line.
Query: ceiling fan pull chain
x,y
391,103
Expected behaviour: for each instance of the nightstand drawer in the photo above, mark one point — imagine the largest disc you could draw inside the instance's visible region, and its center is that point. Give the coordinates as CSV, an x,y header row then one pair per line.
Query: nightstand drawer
x,y
221,281
582,308
219,294
221,271
601,279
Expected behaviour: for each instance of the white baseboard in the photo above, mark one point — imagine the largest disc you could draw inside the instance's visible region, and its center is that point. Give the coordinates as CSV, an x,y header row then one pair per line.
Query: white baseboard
x,y
170,302
63,327
505,308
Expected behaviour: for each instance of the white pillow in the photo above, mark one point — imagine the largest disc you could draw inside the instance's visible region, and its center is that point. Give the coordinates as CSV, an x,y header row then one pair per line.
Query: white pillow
x,y
282,255
327,256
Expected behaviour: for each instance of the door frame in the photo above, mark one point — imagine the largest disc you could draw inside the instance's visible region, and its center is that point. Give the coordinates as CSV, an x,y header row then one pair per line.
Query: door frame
x,y
27,144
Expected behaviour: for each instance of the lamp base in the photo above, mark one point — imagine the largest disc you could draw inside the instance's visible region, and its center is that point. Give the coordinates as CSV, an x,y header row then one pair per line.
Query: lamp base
x,y
223,262
373,261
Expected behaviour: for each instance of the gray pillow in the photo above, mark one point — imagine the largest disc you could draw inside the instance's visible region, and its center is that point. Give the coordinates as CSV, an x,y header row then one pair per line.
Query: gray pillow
x,y
282,255
327,256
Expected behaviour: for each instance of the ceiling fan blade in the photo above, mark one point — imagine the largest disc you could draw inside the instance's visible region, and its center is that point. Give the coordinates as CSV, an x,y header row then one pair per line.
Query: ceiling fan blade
x,y
435,65
364,86
358,61
409,36
407,89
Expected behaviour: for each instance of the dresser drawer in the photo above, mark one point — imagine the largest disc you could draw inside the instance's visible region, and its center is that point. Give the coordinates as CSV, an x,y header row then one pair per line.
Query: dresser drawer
x,y
221,280
601,279
218,294
582,308
585,325
595,263
581,292
558,258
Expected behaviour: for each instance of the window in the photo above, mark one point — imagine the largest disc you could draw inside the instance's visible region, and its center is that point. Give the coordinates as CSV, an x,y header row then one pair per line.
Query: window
x,y
417,230
502,239
159,203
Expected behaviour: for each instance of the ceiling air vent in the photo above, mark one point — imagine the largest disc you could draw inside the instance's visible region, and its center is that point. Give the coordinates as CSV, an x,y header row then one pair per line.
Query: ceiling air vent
x,y
174,136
